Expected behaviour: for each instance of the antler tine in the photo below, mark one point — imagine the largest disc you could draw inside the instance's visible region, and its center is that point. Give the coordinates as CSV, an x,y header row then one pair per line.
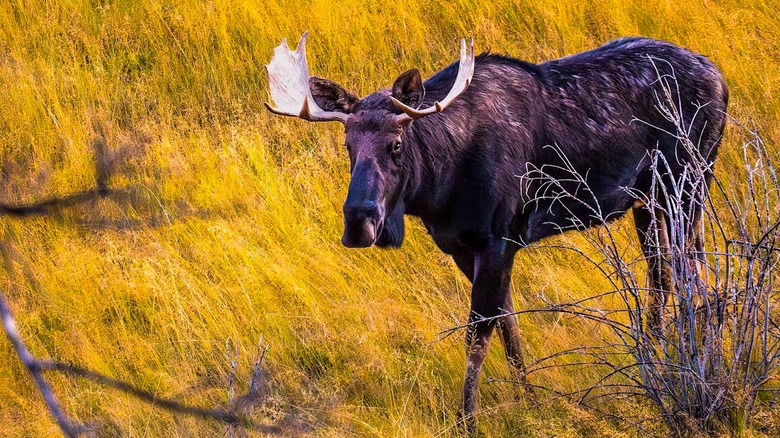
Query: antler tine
x,y
462,81
288,80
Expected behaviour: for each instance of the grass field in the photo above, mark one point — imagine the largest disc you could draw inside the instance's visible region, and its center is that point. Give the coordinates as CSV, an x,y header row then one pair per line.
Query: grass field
x,y
225,221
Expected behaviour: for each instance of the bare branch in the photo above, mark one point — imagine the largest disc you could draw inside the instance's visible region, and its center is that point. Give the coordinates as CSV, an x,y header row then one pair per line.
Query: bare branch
x,y
68,427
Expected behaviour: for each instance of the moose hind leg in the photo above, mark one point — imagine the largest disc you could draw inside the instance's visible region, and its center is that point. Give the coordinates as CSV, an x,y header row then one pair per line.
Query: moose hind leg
x,y
654,237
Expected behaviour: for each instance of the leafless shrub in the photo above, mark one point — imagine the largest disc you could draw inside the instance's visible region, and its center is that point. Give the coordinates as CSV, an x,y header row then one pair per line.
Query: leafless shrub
x,y
706,351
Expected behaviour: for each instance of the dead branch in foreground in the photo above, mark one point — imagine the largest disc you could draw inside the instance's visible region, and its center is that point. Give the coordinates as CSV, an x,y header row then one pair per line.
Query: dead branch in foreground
x,y
70,428
36,366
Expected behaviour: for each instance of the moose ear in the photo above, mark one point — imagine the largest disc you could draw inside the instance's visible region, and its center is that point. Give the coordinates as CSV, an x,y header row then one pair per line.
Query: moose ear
x,y
408,88
331,96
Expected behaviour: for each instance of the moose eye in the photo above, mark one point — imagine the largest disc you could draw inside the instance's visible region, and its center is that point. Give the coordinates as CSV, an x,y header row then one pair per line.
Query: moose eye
x,y
395,147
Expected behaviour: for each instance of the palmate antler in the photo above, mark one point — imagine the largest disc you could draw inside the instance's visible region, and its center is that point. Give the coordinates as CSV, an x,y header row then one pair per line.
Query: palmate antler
x,y
462,81
288,79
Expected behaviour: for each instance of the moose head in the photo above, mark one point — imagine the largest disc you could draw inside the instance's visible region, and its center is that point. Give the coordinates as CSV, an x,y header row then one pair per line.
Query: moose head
x,y
375,131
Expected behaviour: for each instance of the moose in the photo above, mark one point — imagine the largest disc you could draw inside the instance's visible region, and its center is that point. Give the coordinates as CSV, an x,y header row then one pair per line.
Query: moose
x,y
451,149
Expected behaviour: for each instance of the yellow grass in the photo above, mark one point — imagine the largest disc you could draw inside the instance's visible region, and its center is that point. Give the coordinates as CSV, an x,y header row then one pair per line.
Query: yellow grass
x,y
230,222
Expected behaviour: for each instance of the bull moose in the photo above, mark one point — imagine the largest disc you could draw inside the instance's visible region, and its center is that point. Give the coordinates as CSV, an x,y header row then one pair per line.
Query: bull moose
x,y
449,150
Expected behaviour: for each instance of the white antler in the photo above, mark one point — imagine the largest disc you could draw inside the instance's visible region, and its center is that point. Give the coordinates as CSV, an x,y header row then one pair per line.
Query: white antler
x,y
462,81
288,79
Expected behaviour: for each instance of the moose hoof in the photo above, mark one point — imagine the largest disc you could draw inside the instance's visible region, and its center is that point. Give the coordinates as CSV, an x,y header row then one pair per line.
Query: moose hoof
x,y
466,424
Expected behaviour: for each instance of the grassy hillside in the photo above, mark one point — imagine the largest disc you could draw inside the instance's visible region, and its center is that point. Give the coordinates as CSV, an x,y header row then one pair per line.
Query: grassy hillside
x,y
225,221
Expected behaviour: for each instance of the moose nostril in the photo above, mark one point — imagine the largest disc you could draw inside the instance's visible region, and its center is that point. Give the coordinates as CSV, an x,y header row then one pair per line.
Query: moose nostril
x,y
362,210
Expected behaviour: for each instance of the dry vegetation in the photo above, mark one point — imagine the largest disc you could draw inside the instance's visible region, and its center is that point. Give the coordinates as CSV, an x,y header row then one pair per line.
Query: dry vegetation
x,y
224,222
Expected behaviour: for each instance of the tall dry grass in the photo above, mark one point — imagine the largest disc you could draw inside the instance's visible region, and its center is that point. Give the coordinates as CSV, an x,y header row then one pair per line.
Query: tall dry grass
x,y
227,220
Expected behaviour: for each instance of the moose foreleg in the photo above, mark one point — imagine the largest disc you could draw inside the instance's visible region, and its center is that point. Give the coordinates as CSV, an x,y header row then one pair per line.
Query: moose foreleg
x,y
477,345
510,335
507,326
492,269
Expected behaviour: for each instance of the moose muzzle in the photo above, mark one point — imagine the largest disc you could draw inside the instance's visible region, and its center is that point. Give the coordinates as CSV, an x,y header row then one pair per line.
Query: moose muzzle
x,y
362,224
364,211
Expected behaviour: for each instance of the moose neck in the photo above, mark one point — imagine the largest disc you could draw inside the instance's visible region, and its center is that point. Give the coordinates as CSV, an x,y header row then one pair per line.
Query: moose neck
x,y
436,144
